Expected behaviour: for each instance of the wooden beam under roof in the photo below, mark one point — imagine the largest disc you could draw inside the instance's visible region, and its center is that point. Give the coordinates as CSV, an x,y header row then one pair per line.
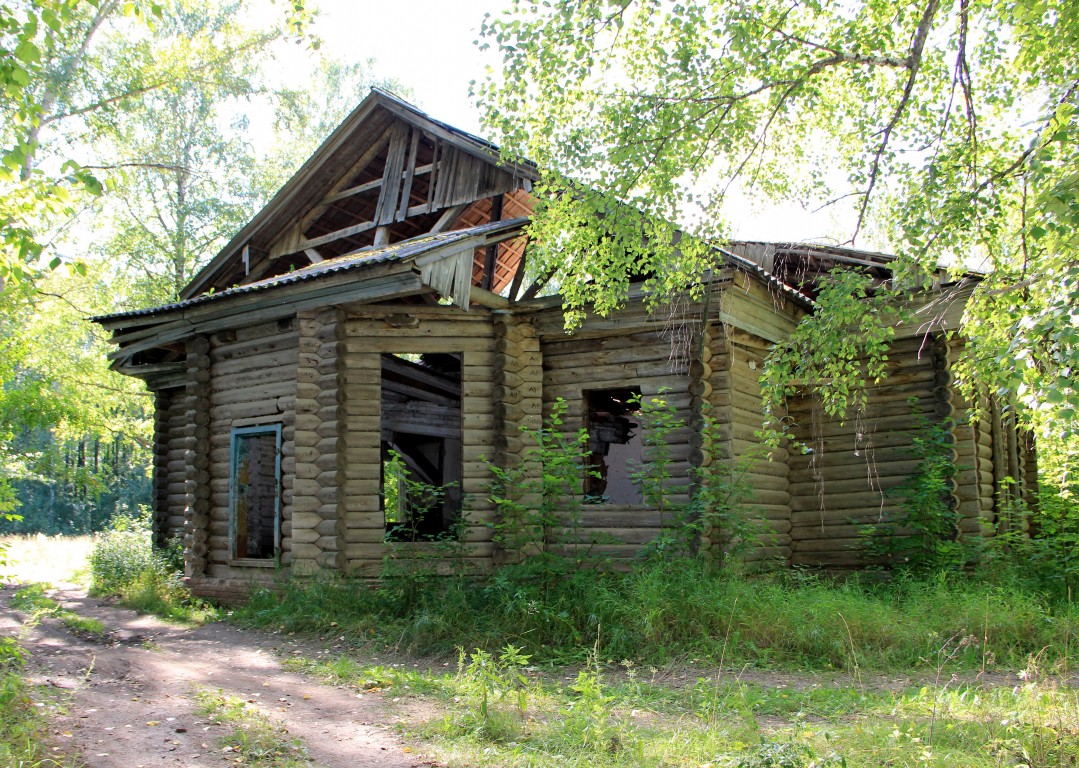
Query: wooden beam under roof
x,y
370,185
357,168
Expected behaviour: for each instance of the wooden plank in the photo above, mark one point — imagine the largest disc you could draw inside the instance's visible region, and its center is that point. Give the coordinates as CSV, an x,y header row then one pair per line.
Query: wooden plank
x,y
386,209
435,164
330,237
518,276
410,172
287,300
352,172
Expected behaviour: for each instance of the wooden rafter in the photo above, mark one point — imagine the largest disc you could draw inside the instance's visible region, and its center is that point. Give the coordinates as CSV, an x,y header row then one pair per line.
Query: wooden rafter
x,y
357,168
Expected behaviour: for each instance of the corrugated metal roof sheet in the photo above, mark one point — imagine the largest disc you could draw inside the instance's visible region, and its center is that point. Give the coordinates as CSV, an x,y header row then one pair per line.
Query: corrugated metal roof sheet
x,y
363,259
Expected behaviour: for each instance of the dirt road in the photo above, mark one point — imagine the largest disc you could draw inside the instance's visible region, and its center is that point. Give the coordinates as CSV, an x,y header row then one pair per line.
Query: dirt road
x,y
132,692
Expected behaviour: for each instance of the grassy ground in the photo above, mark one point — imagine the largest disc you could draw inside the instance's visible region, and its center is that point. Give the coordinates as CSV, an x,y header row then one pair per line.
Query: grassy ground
x,y
254,740
680,611
25,708
24,723
498,711
676,665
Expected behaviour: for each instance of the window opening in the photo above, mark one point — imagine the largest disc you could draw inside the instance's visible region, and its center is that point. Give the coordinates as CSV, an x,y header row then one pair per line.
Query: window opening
x,y
615,448
254,492
421,445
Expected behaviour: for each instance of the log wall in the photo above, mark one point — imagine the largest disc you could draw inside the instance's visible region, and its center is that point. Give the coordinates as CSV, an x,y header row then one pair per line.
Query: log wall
x,y
316,528
975,487
197,469
252,381
845,477
518,405
996,462
737,363
636,355
170,466
366,336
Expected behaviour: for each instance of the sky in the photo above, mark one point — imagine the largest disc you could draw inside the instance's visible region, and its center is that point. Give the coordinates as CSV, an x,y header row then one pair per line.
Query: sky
x,y
429,46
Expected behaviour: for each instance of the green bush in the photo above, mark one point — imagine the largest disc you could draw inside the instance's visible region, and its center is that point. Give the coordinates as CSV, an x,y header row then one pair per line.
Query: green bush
x,y
123,562
118,558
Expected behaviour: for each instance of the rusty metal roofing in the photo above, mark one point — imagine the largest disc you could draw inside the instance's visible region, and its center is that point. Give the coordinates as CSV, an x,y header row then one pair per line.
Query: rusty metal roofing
x,y
362,259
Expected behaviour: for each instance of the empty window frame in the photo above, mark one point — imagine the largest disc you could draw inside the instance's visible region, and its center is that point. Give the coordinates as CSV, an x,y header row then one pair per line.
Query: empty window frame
x,y
614,444
421,445
255,492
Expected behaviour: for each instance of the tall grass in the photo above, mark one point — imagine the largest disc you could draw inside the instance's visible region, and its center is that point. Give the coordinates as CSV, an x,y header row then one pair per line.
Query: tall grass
x,y
682,610
23,725
123,563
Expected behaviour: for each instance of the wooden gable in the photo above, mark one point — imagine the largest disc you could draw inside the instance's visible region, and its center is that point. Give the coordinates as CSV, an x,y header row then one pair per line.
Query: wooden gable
x,y
388,174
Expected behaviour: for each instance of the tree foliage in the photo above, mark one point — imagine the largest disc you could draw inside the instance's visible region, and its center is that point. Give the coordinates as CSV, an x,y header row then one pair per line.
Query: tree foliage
x,y
185,179
145,105
946,129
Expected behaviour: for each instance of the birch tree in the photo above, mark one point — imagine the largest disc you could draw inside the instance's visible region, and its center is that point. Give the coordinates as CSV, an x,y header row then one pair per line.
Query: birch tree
x,y
948,127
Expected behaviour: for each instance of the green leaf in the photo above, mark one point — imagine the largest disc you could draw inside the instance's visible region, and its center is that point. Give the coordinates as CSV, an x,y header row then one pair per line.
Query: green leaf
x,y
19,76
27,52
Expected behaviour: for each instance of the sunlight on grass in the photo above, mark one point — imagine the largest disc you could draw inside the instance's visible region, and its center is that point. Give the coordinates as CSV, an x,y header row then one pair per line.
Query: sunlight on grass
x,y
490,714
52,559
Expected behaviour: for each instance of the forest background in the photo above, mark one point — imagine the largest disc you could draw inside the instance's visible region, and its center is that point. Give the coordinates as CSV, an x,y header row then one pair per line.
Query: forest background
x,y
945,130
129,157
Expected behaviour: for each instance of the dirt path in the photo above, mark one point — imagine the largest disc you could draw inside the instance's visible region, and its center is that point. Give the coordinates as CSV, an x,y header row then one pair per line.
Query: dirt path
x,y
133,704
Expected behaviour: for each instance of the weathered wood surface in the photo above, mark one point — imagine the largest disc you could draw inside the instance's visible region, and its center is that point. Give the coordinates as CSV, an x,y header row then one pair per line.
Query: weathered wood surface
x,y
171,432
597,360
252,380
848,474
364,338
737,360
197,510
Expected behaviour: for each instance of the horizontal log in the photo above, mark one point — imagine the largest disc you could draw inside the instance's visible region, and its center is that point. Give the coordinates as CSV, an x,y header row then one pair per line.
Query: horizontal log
x,y
853,559
814,518
419,344
256,392
864,470
831,487
865,500
276,363
828,546
590,376
265,345
832,531
883,451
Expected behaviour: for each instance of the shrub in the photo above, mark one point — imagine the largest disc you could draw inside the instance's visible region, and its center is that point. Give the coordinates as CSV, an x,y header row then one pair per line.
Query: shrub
x,y
118,558
123,562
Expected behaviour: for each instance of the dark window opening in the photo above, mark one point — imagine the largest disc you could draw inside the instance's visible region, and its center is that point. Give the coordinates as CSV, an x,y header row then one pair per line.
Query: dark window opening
x,y
254,492
421,445
614,443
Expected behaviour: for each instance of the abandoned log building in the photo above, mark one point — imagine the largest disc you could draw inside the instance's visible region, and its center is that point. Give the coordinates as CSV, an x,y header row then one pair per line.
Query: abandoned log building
x,y
378,310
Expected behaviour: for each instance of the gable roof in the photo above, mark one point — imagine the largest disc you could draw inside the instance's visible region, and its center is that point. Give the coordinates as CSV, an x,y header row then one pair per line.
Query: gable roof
x,y
358,134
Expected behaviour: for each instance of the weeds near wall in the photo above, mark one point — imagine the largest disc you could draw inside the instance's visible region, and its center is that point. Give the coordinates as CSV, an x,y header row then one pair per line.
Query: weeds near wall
x,y
412,561
123,562
1046,556
713,507
538,503
487,680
